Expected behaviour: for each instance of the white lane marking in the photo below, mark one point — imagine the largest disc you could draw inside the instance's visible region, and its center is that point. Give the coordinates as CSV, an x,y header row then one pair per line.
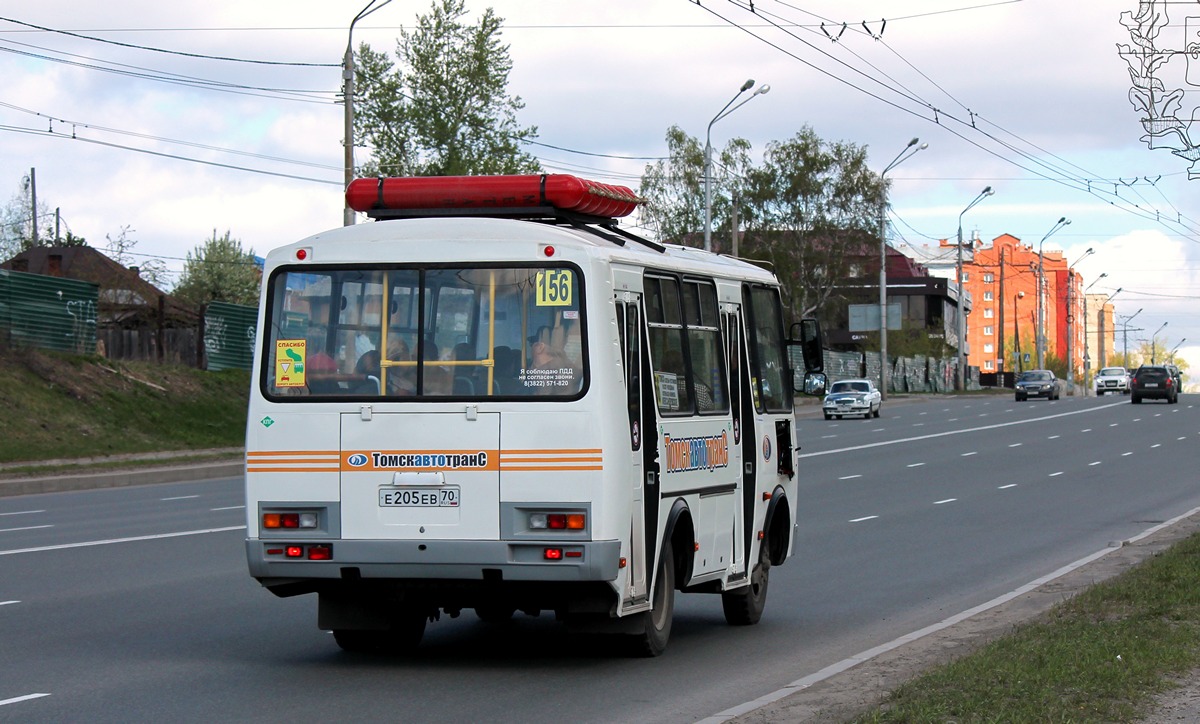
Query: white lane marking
x,y
1086,430
28,527
18,699
8,603
1181,438
943,502
932,435
918,424
1137,419
1113,424
915,465
229,507
1095,463
181,497
1006,487
87,544
22,512
924,413
1016,444
847,663
849,477
827,437
1054,437
968,454
867,517
1055,475
1125,455
953,419
879,429
1157,444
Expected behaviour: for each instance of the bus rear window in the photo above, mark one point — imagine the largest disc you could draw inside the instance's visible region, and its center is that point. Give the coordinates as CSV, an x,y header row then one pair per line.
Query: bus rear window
x,y
425,333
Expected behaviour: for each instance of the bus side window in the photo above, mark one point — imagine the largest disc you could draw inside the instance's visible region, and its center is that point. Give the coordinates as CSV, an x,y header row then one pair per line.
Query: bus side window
x,y
631,361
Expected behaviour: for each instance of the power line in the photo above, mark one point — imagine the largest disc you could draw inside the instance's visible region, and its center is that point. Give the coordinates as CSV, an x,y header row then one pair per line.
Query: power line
x,y
168,52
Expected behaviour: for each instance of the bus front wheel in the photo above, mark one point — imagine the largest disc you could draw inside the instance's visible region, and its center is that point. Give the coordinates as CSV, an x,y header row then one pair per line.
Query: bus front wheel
x,y
656,623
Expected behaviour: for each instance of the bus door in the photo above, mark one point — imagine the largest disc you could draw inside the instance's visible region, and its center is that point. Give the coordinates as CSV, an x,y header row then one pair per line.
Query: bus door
x,y
642,472
741,451
401,479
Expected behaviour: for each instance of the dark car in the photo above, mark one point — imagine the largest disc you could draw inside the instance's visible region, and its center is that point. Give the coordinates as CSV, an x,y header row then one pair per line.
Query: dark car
x,y
1038,383
1153,382
1177,374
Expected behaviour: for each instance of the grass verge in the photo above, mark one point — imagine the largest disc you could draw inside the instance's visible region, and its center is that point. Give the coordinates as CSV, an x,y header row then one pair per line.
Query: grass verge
x,y
1098,657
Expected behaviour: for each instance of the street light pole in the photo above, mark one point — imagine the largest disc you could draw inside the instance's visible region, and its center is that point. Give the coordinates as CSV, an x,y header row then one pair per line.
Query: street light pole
x,y
961,372
1071,321
1125,334
1041,281
900,158
762,89
1171,354
1153,351
348,101
1087,356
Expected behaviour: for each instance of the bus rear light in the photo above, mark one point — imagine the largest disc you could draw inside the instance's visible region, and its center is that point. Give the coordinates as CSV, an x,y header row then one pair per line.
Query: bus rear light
x,y
574,554
553,554
276,521
557,521
294,552
303,253
320,553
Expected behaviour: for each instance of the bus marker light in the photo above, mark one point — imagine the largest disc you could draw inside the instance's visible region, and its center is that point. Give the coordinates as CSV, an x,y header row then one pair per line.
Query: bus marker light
x,y
558,521
548,250
761,535
766,495
538,520
320,553
308,520
271,520
553,554
622,562
290,520
274,551
294,552
574,554
575,521
302,254
696,545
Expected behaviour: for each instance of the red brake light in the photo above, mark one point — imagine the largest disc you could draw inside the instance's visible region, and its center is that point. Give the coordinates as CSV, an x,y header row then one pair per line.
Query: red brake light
x,y
556,521
320,553
553,554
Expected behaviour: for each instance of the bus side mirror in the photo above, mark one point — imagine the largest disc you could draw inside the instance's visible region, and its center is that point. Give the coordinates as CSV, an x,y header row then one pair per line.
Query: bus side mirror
x,y
807,356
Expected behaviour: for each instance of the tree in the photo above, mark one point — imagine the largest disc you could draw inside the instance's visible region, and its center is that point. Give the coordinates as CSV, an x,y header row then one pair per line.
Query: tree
x,y
808,209
445,111
120,249
219,271
16,224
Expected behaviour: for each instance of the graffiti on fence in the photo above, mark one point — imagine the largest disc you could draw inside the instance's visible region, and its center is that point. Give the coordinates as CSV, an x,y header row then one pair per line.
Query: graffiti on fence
x,y
83,323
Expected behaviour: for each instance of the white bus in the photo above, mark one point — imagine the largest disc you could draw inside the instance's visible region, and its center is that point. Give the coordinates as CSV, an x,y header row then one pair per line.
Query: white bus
x,y
494,398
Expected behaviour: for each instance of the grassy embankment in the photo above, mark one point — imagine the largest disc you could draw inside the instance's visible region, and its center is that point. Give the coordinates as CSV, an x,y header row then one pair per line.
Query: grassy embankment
x,y
66,406
1099,657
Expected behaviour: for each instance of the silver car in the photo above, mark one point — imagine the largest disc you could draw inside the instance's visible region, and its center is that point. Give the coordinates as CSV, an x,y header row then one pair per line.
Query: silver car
x,y
852,397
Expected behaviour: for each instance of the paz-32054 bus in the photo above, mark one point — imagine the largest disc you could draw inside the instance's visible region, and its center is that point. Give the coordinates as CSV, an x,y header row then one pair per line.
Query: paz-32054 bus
x,y
494,398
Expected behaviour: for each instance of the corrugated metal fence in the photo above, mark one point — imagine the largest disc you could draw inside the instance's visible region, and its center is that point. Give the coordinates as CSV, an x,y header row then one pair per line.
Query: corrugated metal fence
x,y
229,336
907,374
48,312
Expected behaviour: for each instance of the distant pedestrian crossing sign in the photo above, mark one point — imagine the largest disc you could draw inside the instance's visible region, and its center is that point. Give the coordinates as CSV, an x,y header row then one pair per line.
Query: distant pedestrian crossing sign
x,y
289,362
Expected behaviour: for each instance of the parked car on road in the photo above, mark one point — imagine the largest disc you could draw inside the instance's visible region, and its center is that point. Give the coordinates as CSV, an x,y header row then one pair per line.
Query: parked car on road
x,y
852,397
1038,383
1153,382
1112,379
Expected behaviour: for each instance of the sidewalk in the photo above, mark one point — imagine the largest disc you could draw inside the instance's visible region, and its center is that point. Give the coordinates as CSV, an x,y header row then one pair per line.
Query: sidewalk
x,y
121,470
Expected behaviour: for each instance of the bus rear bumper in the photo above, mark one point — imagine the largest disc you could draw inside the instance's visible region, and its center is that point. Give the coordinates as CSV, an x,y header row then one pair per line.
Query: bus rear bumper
x,y
274,561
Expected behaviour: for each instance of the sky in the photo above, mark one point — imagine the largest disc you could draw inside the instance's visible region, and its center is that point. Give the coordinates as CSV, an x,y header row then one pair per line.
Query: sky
x,y
1030,97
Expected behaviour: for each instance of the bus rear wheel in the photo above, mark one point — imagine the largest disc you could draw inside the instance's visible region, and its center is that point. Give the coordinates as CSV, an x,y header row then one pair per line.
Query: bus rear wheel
x,y
656,623
744,606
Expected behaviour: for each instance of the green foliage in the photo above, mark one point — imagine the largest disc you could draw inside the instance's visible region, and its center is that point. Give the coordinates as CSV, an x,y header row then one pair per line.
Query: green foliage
x,y
808,208
16,223
445,111
219,271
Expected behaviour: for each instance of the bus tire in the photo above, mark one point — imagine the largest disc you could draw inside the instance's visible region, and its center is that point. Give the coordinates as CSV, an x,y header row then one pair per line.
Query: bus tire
x,y
744,606
402,637
656,623
495,613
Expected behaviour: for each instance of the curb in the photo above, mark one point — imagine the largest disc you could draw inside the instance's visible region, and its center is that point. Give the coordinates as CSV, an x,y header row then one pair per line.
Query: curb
x,y
121,478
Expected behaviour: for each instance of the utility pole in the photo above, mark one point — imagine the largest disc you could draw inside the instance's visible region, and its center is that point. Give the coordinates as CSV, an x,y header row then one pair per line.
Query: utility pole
x,y
33,203
1000,364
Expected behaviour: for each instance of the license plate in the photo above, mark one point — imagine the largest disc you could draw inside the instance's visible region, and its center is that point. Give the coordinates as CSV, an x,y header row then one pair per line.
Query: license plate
x,y
1151,384
442,497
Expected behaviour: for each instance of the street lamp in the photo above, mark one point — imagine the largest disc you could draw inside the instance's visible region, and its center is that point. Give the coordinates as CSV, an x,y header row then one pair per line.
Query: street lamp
x,y
1041,280
961,373
1153,354
348,100
762,89
1017,329
1087,355
1071,320
1125,334
900,158
1171,354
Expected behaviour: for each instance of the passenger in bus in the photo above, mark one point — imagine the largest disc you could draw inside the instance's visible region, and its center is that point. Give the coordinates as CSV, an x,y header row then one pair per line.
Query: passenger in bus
x,y
401,379
552,372
436,379
368,367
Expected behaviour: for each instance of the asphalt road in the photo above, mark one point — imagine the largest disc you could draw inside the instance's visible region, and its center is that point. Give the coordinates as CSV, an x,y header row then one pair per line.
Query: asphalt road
x,y
134,603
